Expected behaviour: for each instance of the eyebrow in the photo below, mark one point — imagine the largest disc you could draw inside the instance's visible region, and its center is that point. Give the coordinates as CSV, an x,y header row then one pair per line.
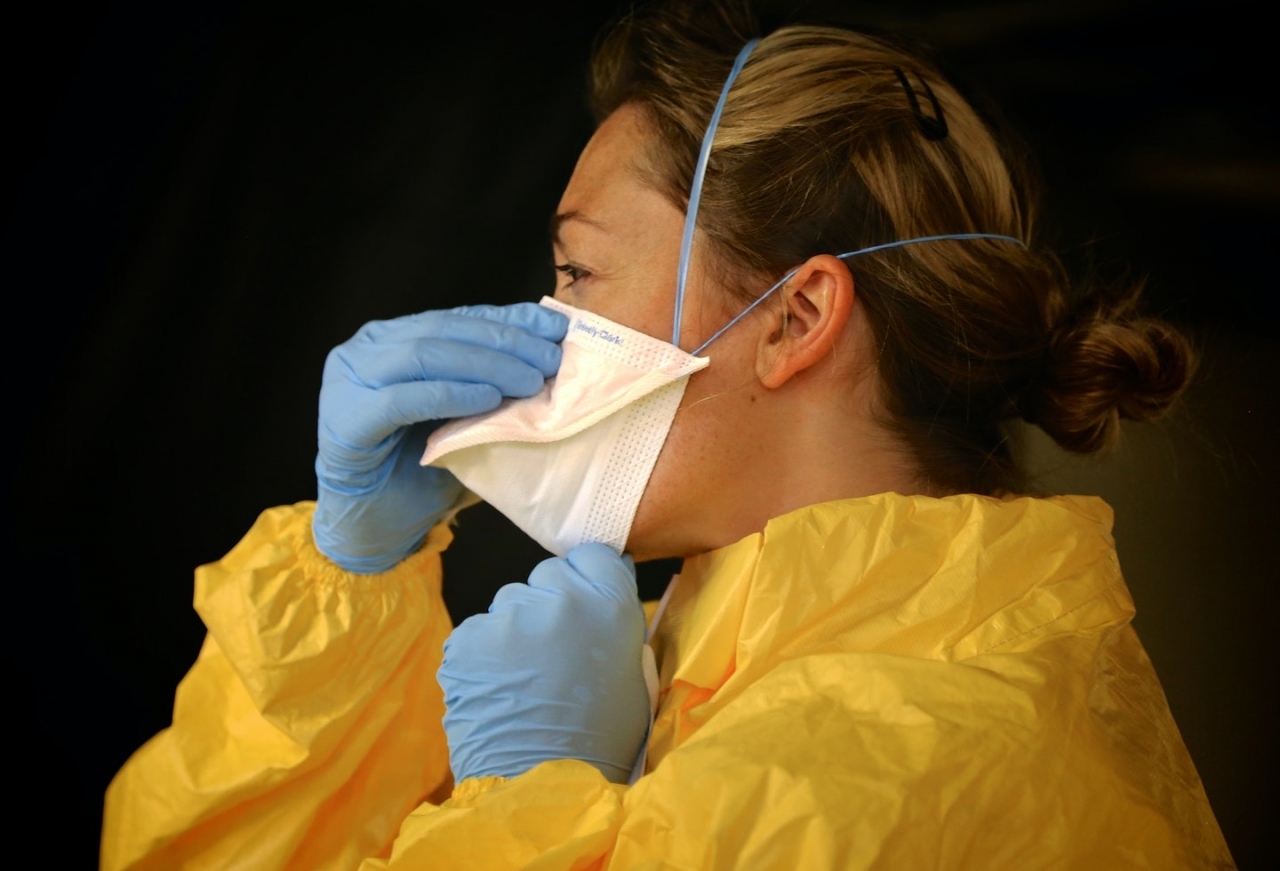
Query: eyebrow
x,y
558,221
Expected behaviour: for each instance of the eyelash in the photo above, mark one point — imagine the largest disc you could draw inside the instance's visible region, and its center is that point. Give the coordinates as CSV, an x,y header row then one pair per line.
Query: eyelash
x,y
571,271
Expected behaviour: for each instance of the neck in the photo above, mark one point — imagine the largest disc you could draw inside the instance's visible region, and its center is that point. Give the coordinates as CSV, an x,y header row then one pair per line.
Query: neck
x,y
813,440
826,445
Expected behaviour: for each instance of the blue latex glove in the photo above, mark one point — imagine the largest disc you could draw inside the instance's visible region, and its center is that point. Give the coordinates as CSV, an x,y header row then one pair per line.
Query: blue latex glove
x,y
553,671
375,504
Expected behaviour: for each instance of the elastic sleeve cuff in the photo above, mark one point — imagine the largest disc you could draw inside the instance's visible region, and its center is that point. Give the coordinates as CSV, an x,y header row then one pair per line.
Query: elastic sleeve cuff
x,y
298,629
471,789
322,568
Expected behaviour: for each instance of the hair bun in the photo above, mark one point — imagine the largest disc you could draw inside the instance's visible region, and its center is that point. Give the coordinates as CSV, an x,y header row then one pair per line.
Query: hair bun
x,y
1105,366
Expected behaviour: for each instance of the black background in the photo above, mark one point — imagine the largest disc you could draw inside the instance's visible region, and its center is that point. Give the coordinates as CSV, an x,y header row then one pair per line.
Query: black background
x,y
203,199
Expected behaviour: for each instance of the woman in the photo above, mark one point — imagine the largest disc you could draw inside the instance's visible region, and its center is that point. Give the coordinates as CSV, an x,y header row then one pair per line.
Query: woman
x,y
874,654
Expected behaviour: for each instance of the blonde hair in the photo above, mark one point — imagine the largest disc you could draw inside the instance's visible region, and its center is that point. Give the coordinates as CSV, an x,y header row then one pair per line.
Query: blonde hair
x,y
821,150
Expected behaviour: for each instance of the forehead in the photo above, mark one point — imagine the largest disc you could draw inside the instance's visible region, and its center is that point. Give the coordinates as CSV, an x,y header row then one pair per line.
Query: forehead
x,y
607,183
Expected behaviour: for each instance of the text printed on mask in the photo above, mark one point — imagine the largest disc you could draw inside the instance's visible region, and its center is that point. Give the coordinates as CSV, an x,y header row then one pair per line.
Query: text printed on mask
x,y
596,333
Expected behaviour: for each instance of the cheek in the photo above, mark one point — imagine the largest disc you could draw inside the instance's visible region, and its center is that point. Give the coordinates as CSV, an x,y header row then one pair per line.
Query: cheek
x,y
633,300
649,304
636,289
712,431
710,446
675,493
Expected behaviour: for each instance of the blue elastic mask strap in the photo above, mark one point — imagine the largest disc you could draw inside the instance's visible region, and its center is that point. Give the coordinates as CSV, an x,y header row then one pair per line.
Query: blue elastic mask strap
x,y
695,193
846,256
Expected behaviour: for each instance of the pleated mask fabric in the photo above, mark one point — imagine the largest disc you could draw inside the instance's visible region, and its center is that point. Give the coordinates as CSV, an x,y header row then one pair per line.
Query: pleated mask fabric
x,y
570,465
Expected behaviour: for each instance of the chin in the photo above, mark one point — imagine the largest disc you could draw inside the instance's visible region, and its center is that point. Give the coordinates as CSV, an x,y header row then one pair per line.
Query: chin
x,y
643,549
649,541
668,539
666,525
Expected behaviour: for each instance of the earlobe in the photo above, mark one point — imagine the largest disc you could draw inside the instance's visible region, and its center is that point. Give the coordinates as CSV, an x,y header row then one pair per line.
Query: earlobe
x,y
816,304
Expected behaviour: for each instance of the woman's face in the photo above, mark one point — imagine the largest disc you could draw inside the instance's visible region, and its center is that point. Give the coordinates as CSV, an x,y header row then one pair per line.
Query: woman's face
x,y
617,240
617,245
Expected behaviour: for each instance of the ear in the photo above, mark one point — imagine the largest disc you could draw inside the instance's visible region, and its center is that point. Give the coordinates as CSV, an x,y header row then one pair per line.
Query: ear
x,y
816,304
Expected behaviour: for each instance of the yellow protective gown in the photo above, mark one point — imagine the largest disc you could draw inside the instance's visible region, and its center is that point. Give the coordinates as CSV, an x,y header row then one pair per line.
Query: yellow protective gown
x,y
889,682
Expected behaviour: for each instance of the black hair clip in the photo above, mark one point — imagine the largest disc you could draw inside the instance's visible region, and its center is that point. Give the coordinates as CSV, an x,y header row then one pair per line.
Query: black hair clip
x,y
935,128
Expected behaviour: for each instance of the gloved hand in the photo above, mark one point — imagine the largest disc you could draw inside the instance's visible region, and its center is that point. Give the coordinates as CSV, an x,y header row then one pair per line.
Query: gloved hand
x,y
553,671
375,504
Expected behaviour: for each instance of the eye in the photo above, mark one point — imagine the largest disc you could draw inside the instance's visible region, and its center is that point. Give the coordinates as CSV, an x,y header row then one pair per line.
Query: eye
x,y
572,271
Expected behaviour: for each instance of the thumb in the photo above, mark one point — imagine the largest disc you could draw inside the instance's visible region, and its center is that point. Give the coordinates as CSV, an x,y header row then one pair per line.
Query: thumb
x,y
606,570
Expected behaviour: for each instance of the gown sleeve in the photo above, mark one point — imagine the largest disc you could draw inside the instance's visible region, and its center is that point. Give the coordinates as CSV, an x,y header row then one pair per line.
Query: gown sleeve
x,y
309,726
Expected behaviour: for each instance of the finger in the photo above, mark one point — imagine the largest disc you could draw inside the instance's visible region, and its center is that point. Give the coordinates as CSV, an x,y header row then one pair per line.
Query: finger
x,y
532,350
588,568
539,348
401,405
512,595
540,320
469,331
441,360
547,323
557,575
606,570
462,639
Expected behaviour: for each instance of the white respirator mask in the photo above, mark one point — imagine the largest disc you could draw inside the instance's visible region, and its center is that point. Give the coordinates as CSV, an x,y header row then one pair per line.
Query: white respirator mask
x,y
570,465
